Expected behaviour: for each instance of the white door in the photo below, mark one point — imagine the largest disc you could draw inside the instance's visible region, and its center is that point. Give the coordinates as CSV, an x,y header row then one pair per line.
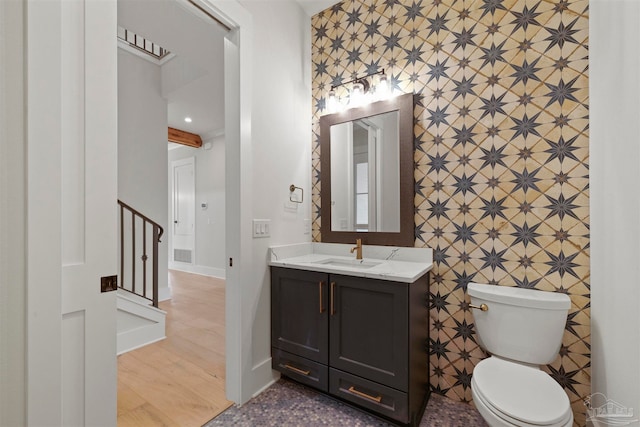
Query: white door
x,y
72,205
183,210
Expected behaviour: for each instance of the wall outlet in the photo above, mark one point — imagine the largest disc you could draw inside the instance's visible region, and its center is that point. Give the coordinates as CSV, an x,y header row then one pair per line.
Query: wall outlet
x,y
307,226
261,228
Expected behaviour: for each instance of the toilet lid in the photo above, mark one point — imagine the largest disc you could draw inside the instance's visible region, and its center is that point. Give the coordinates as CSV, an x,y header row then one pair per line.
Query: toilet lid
x,y
524,393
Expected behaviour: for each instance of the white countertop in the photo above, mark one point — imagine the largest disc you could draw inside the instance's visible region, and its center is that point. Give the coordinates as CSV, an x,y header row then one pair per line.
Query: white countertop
x,y
398,264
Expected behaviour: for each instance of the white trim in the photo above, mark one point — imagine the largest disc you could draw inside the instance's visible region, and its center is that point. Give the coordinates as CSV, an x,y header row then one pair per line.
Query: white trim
x,y
218,273
262,376
238,77
12,215
149,333
269,384
129,339
164,293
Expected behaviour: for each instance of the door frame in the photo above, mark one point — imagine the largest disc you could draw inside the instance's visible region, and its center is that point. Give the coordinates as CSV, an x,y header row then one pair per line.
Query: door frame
x,y
238,77
44,271
12,215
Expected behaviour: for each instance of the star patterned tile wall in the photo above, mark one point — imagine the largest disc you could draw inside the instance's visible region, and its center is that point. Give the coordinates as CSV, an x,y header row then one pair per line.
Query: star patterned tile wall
x,y
501,154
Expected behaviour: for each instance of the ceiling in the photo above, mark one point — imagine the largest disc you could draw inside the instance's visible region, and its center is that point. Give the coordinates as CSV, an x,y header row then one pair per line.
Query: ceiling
x,y
312,7
193,81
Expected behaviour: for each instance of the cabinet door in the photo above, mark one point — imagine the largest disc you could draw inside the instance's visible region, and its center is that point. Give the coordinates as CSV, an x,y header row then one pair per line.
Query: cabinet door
x,y
369,329
299,313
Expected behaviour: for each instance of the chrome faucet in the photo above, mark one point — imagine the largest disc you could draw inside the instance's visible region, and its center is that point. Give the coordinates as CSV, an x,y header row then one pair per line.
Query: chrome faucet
x,y
357,249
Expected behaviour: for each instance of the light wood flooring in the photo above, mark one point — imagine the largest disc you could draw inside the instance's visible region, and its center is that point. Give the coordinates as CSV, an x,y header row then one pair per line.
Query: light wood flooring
x,y
178,381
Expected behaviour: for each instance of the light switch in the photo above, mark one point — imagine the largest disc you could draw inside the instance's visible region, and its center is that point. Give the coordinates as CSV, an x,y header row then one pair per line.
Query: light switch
x,y
261,228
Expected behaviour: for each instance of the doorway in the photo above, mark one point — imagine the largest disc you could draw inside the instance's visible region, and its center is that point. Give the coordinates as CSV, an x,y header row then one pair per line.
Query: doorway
x,y
48,389
182,210
190,71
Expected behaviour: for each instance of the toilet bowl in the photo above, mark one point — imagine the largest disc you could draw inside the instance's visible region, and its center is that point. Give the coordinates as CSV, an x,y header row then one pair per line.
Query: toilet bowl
x,y
521,329
508,394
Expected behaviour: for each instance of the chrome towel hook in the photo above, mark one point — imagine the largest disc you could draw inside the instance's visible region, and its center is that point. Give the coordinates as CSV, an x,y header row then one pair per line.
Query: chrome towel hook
x,y
292,189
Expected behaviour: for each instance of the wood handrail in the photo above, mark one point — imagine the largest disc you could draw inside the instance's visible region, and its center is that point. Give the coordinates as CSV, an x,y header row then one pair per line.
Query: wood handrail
x,y
158,231
146,218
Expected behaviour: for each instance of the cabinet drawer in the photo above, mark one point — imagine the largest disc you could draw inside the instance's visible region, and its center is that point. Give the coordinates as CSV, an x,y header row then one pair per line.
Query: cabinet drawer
x,y
300,369
371,395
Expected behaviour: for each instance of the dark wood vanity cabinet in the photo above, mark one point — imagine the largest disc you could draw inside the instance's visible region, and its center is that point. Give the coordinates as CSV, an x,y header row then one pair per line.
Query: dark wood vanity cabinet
x,y
362,340
299,319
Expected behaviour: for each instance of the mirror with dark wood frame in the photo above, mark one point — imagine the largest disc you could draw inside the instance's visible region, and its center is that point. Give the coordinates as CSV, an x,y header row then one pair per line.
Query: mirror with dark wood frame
x,y
361,198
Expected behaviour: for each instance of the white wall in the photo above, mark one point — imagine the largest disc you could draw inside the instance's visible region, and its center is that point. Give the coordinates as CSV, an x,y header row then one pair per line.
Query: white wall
x,y
210,222
12,216
615,199
142,147
281,155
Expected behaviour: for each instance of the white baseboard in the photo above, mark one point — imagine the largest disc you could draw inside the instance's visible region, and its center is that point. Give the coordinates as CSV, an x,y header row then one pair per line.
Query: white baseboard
x,y
139,324
263,376
128,342
218,273
164,294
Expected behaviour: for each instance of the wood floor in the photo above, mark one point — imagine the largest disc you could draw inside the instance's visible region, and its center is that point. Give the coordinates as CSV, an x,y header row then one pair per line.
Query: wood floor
x,y
178,381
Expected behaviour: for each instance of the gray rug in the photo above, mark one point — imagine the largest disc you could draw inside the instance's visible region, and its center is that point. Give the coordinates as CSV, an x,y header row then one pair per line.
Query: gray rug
x,y
290,404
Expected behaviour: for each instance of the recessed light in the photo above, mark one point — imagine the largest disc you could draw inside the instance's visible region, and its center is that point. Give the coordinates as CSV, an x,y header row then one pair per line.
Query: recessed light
x,y
188,119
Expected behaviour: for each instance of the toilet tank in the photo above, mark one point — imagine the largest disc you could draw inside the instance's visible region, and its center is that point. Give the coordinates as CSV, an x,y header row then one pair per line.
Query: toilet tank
x,y
524,325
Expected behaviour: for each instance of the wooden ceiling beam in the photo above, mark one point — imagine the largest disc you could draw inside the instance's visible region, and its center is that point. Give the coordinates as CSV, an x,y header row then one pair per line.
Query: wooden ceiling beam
x,y
185,138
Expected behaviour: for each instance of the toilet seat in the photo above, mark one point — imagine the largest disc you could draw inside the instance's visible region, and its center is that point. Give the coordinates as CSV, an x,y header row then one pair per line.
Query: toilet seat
x,y
519,395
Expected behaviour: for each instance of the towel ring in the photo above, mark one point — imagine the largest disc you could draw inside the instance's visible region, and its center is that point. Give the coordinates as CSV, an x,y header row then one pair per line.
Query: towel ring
x,y
292,189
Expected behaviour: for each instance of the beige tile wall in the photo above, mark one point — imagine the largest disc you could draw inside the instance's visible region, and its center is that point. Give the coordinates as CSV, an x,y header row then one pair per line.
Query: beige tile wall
x,y
501,154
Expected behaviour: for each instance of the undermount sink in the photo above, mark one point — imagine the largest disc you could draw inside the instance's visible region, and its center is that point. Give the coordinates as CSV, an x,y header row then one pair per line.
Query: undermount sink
x,y
346,263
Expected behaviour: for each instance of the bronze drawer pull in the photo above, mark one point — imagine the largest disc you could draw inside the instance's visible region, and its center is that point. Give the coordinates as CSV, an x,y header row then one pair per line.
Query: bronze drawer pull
x,y
333,286
294,369
320,292
353,390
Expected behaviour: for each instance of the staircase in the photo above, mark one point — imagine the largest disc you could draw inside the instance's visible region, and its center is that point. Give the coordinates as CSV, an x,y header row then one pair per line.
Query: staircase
x,y
140,321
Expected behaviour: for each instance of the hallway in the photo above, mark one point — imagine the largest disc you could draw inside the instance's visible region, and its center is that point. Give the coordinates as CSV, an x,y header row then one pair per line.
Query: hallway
x,y
180,380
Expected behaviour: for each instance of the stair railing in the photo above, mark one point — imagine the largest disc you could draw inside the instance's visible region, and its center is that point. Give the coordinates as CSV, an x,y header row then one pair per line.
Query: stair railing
x,y
136,224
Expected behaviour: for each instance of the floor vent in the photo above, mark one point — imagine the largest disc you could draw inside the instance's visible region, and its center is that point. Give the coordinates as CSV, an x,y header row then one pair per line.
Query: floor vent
x,y
182,255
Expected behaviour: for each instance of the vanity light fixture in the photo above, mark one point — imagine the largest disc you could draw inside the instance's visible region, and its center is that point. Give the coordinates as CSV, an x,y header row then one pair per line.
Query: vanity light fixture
x,y
361,92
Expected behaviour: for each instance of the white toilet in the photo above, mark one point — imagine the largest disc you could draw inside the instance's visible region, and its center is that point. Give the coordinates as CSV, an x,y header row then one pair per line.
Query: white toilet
x,y
521,329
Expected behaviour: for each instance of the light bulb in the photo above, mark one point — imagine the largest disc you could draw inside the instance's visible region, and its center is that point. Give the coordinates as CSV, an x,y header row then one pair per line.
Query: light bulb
x,y
357,95
332,102
188,119
382,90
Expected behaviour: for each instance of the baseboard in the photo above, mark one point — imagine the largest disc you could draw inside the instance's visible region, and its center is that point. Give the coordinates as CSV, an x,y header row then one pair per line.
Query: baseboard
x,y
218,273
139,323
140,337
272,382
263,376
164,294
126,349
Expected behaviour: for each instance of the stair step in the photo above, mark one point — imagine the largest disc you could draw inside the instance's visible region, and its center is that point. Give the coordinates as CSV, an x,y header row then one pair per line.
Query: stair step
x,y
139,323
137,300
